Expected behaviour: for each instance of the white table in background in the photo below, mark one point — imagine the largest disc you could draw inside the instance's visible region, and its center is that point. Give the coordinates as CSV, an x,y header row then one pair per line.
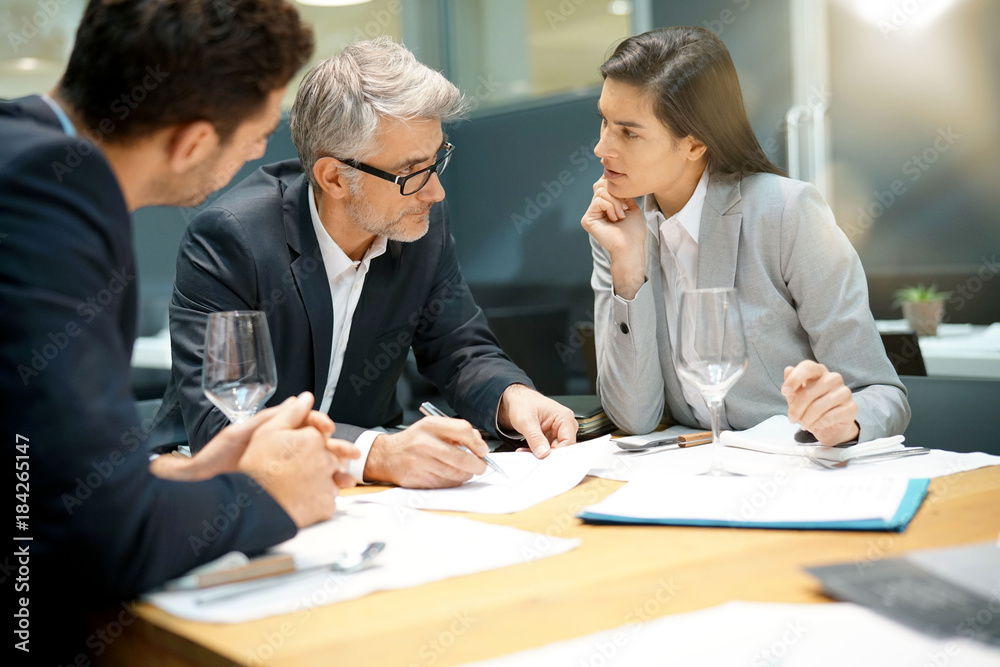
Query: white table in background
x,y
152,351
962,350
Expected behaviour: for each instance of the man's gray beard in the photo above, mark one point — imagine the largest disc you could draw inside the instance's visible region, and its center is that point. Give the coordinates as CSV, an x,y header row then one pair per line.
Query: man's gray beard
x,y
362,212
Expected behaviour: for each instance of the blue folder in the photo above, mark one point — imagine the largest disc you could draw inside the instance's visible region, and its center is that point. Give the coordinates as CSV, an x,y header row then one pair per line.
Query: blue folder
x,y
916,491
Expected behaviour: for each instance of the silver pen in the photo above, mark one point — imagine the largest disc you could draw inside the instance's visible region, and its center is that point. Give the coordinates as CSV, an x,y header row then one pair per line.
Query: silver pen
x,y
431,410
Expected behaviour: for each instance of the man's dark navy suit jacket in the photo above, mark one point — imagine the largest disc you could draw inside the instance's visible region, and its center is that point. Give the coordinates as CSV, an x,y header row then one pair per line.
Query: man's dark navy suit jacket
x,y
102,527
256,249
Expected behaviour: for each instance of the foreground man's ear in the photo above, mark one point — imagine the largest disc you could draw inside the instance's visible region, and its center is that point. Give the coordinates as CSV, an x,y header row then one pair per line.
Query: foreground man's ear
x,y
189,144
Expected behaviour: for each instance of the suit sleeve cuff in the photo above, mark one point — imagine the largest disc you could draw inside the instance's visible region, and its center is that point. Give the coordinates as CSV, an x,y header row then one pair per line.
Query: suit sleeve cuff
x,y
356,468
622,311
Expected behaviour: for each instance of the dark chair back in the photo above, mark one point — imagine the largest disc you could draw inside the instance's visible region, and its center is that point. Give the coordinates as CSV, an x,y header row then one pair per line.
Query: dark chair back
x,y
957,414
903,350
583,333
530,335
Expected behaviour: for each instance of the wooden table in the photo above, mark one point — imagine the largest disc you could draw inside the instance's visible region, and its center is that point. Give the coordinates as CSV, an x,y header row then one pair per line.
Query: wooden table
x,y
618,575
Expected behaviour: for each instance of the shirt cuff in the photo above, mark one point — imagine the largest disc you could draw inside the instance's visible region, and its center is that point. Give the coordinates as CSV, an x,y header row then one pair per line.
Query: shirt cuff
x,y
622,300
515,436
356,468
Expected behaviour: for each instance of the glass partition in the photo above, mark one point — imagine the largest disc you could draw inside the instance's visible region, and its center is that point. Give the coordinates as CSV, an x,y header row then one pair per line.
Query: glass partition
x,y
508,51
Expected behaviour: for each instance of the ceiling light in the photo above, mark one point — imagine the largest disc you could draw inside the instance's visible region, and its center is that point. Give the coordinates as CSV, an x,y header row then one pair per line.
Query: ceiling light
x,y
892,15
29,65
620,7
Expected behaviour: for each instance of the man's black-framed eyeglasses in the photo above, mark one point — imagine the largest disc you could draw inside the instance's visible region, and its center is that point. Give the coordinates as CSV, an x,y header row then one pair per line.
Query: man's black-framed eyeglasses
x,y
411,183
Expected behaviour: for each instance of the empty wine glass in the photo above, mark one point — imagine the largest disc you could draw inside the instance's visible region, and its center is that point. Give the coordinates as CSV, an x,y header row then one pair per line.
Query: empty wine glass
x,y
711,352
239,373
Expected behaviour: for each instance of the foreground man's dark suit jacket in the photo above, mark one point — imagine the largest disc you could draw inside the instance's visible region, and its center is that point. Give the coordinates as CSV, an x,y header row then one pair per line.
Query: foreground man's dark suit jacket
x,y
256,249
104,529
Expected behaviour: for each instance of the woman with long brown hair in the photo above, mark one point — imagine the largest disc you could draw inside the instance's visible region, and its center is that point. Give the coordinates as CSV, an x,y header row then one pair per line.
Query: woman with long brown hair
x,y
689,200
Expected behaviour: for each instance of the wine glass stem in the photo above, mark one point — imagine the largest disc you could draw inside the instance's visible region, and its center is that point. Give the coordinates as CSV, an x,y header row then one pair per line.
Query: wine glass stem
x,y
715,407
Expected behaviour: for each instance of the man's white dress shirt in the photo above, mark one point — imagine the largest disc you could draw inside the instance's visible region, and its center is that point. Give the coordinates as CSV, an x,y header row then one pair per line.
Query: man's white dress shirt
x,y
347,281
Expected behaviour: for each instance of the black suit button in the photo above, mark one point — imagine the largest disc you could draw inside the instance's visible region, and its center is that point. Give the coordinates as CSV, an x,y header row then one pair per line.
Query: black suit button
x,y
623,327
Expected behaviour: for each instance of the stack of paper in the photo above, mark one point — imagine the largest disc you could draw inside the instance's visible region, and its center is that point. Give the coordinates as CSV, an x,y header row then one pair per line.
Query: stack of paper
x,y
830,502
777,436
590,415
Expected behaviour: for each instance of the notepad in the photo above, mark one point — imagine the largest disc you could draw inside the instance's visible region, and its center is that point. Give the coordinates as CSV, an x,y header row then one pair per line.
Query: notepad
x,y
827,502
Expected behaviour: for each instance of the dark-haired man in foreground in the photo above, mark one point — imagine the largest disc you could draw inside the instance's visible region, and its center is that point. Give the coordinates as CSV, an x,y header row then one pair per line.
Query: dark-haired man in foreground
x,y
99,522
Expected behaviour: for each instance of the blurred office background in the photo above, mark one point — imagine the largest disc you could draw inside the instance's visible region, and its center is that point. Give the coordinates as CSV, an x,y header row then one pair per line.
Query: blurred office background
x,y
889,106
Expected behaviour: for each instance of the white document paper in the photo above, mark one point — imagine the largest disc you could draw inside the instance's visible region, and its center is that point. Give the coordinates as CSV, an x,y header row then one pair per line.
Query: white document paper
x,y
777,436
420,548
760,634
619,465
814,498
529,481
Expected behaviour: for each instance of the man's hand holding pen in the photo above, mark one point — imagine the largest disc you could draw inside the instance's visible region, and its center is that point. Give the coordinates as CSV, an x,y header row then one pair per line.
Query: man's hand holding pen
x,y
428,455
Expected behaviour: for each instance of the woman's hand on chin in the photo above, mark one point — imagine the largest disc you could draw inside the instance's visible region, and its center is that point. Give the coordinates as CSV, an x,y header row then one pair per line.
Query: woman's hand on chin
x,y
620,227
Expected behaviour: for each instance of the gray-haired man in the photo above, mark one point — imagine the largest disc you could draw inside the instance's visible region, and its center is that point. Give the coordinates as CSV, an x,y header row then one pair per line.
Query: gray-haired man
x,y
349,254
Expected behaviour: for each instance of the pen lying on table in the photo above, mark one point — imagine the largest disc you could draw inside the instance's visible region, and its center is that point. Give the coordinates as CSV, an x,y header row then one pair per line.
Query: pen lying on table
x,y
431,410
271,568
256,568
685,440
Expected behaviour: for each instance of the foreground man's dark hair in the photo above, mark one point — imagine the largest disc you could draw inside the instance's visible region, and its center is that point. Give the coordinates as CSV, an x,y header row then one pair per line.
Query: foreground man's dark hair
x,y
141,65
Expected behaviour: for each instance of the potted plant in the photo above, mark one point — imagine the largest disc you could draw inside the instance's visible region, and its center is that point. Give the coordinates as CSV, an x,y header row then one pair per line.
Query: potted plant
x,y
923,307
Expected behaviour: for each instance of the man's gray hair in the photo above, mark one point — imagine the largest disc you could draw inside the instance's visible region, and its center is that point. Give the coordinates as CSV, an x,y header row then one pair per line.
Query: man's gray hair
x,y
342,99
